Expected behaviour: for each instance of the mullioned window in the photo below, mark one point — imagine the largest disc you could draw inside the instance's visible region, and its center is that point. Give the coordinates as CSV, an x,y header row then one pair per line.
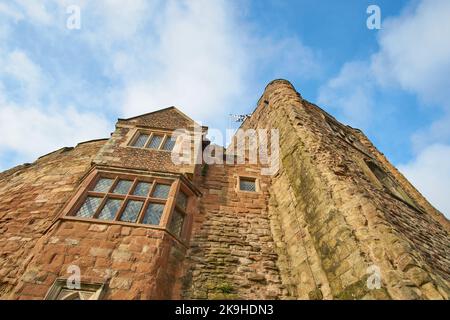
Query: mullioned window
x,y
141,200
153,140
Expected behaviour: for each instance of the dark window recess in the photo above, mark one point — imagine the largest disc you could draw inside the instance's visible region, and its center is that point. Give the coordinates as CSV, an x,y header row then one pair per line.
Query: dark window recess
x,y
140,200
390,184
156,141
246,184
182,200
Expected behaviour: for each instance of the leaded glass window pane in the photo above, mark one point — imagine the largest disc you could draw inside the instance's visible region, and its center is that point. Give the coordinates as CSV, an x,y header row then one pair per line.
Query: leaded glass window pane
x,y
110,209
176,224
142,189
182,200
247,185
131,211
161,191
89,207
103,185
123,186
153,213
169,144
155,141
141,140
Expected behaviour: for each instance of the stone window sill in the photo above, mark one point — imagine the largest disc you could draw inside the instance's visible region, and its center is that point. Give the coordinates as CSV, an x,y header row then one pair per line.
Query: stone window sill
x,y
125,224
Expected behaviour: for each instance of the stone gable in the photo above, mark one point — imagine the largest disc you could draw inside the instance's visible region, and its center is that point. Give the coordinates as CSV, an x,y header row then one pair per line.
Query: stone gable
x,y
169,118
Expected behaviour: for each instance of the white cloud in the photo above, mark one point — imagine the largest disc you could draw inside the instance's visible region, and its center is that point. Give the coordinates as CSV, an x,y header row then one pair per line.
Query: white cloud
x,y
197,55
19,66
9,11
350,93
31,131
290,56
106,22
36,10
430,173
198,63
415,51
123,20
414,54
438,131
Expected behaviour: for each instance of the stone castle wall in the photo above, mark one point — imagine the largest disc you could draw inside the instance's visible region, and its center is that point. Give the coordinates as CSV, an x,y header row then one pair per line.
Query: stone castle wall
x,y
332,221
232,255
132,260
335,211
30,199
134,263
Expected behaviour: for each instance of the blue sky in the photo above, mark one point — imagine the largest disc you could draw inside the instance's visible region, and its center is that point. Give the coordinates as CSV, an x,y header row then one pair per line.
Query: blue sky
x,y
211,58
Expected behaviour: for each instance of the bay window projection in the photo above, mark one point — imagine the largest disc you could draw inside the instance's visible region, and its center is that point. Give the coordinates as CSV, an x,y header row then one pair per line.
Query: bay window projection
x,y
132,200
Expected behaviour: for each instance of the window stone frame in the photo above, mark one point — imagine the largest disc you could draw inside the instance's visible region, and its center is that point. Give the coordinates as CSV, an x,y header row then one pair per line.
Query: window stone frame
x,y
151,133
98,289
177,184
247,177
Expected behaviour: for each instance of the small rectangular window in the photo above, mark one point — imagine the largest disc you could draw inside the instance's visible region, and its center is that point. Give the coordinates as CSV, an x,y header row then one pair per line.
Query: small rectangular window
x,y
155,142
247,184
141,140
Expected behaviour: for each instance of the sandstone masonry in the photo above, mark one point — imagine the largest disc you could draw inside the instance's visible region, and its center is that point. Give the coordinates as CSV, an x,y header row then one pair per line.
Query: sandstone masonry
x,y
335,211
